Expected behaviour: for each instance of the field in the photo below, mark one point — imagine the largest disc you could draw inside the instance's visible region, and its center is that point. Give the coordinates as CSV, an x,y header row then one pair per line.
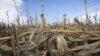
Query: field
x,y
75,38
56,39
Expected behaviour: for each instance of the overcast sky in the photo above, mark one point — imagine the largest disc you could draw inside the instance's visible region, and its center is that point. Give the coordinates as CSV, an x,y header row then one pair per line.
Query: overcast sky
x,y
52,8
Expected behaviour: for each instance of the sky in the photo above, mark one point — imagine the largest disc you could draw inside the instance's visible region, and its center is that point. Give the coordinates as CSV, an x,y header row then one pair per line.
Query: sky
x,y
52,9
